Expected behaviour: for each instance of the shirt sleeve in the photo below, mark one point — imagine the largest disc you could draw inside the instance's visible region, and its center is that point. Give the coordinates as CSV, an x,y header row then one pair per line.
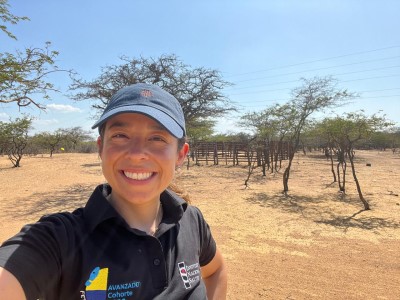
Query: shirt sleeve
x,y
208,246
33,256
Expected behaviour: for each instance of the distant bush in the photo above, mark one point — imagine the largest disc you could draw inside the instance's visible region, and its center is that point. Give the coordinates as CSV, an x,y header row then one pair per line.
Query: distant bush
x,y
86,147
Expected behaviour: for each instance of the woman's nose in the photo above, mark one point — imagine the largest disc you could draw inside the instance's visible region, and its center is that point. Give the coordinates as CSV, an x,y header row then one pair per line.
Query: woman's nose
x,y
137,149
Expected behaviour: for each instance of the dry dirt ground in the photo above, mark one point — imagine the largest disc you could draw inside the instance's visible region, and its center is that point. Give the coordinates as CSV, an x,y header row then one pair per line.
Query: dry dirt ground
x,y
314,244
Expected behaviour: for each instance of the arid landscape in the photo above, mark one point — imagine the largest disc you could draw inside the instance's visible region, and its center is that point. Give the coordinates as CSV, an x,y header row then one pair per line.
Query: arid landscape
x,y
313,244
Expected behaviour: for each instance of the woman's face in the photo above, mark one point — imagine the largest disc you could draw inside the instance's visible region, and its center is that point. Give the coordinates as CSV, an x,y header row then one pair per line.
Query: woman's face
x,y
139,158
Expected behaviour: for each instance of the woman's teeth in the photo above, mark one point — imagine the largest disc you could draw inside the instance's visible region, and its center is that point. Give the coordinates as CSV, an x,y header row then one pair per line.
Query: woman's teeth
x,y
138,176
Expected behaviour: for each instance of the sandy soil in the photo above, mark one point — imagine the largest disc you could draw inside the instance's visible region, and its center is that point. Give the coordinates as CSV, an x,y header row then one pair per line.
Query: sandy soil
x,y
315,244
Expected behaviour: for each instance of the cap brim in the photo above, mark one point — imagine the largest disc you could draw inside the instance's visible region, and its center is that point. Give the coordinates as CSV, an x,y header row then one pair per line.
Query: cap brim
x,y
159,116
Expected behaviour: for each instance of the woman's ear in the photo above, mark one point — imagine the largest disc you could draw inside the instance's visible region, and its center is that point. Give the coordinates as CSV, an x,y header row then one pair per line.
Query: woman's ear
x,y
99,145
182,154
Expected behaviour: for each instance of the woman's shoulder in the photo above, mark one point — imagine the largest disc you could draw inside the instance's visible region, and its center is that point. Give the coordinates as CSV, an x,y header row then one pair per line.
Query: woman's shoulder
x,y
63,218
59,225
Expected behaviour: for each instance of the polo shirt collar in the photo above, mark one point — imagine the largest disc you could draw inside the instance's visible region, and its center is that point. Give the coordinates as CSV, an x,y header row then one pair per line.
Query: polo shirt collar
x,y
98,209
173,206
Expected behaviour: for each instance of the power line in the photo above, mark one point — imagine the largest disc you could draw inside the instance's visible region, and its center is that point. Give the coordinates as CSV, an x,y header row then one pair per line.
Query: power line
x,y
313,61
292,81
286,100
377,77
360,92
318,69
382,90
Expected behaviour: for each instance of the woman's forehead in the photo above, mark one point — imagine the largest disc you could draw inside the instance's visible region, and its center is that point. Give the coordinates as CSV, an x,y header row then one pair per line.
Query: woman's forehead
x,y
126,120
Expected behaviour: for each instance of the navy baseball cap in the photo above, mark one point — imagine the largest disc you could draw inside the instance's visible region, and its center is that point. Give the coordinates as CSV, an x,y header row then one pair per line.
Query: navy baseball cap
x,y
149,100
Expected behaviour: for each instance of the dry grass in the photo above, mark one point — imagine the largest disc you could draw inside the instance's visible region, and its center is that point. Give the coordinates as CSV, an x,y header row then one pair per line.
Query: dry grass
x,y
314,244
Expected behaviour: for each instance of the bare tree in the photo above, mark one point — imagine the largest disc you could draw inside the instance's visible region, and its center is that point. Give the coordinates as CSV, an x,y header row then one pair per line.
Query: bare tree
x,y
345,132
7,17
24,74
75,135
316,94
270,125
14,139
50,140
199,90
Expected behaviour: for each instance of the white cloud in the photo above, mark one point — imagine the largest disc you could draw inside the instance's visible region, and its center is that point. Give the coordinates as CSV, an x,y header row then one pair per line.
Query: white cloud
x,y
43,122
44,125
63,108
4,117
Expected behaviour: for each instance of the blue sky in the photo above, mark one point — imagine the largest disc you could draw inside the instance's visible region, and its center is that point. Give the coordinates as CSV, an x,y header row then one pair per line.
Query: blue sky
x,y
262,47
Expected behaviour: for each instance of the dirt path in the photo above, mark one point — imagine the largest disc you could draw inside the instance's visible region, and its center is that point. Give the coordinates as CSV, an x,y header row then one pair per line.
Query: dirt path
x,y
314,244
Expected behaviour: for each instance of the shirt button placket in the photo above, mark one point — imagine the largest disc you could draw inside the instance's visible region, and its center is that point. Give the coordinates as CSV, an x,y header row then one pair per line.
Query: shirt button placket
x,y
156,262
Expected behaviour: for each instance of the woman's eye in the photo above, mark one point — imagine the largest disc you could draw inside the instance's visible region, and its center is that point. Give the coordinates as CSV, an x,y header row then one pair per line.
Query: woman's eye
x,y
157,139
118,136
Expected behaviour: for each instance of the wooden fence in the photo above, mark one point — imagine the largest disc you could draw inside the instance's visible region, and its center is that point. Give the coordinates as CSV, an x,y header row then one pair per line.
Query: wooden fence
x,y
239,153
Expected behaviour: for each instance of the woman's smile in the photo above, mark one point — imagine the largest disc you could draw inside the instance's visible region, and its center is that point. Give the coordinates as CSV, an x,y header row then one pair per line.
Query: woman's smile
x,y
138,176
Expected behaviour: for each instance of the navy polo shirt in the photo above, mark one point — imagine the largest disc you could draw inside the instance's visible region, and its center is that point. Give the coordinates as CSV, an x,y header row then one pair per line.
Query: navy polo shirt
x,y
93,254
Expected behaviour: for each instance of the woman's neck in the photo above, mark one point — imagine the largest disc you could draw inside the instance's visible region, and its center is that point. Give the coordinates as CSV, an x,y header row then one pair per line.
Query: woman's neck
x,y
145,217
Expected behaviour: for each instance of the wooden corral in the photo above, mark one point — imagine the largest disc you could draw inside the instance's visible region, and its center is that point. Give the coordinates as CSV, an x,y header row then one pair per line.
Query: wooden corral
x,y
233,153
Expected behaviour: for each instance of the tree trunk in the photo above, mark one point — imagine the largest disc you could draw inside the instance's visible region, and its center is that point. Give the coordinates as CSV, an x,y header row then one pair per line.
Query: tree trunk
x,y
342,164
338,175
250,171
265,161
272,160
351,157
344,168
332,168
15,160
18,162
342,184
276,162
286,174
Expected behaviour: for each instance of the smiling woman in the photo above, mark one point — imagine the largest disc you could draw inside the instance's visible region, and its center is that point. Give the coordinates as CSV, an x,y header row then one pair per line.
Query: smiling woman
x,y
132,229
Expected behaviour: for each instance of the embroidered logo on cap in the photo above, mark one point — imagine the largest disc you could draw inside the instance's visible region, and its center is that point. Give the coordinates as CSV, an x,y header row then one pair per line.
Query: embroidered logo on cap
x,y
146,93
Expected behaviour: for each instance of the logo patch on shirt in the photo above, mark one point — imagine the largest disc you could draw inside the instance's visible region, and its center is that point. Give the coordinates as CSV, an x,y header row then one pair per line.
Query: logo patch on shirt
x,y
98,288
96,285
189,274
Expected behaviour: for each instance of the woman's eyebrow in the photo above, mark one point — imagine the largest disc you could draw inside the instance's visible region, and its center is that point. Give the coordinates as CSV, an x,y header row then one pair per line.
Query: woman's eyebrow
x,y
120,124
117,124
159,127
